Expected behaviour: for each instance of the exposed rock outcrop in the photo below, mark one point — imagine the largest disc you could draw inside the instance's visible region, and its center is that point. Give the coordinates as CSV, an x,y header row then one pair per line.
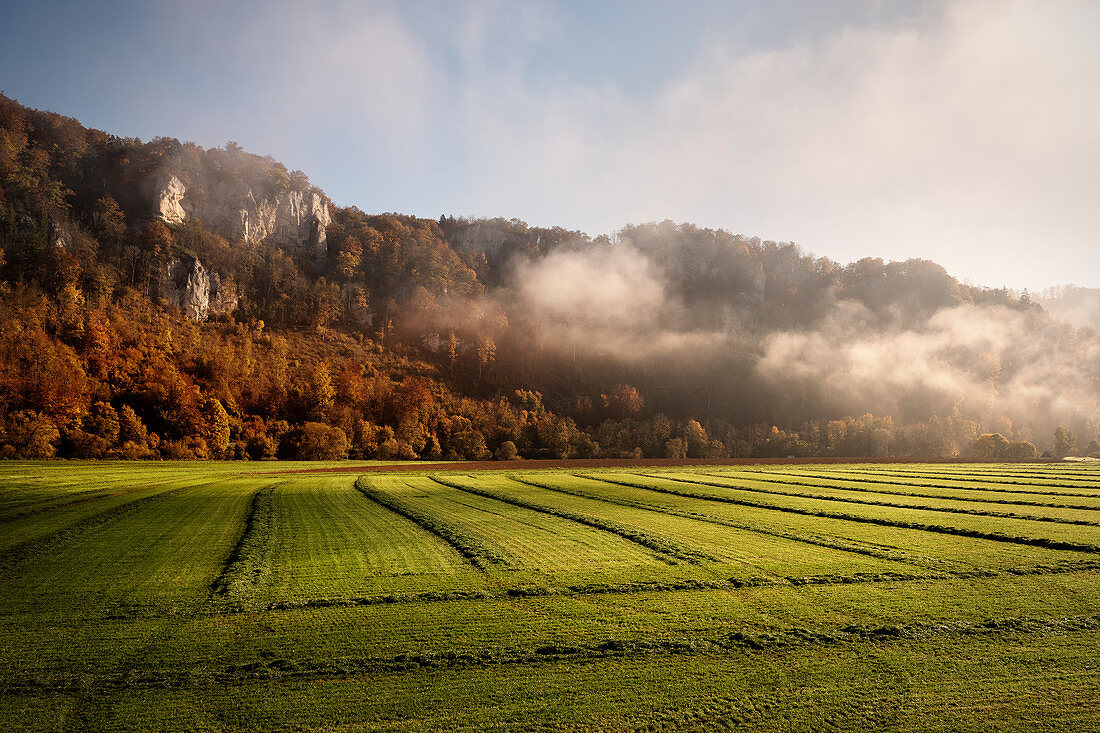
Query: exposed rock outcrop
x,y
196,291
492,239
169,202
293,219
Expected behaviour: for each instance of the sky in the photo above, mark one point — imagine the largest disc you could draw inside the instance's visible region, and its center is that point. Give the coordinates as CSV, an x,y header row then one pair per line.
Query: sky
x,y
963,132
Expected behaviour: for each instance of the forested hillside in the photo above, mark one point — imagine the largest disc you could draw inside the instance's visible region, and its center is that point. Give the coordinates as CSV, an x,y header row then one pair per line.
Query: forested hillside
x,y
162,300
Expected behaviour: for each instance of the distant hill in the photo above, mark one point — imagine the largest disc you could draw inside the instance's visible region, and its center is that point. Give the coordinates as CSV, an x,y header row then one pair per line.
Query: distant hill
x,y
161,299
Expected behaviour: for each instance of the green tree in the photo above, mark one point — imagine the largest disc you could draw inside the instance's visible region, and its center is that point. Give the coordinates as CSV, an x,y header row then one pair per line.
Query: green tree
x,y
130,427
676,448
102,420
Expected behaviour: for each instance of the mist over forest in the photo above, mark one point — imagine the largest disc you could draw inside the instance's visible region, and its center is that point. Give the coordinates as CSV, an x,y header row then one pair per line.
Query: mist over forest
x,y
164,300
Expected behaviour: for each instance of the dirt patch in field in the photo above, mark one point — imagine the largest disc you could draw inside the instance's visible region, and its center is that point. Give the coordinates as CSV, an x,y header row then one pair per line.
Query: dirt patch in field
x,y
537,463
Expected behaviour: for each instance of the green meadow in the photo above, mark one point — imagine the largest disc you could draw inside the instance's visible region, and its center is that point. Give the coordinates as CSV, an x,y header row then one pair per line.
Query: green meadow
x,y
252,597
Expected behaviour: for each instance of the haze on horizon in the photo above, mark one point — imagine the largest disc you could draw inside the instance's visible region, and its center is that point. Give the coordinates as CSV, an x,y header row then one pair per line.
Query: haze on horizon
x,y
961,132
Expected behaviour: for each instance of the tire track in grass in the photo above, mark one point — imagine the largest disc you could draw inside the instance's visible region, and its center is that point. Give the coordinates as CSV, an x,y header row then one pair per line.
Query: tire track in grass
x,y
859,480
877,553
247,567
472,549
719,643
24,551
1043,542
1012,502
872,502
664,548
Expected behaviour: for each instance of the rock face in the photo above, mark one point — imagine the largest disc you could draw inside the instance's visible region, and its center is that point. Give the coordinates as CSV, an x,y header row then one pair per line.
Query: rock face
x,y
169,203
491,239
291,218
196,291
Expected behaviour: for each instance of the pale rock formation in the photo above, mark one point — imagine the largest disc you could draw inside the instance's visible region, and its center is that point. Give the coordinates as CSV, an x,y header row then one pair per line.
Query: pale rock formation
x,y
490,238
169,206
196,291
292,219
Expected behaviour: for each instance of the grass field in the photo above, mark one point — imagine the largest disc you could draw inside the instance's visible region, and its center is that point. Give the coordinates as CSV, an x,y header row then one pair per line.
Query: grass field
x,y
254,597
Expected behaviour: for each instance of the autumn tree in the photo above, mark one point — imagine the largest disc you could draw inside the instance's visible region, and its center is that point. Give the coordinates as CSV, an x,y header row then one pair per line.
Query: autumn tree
x,y
1065,442
31,435
1021,450
990,447
486,353
215,429
315,441
108,222
349,257
322,393
154,244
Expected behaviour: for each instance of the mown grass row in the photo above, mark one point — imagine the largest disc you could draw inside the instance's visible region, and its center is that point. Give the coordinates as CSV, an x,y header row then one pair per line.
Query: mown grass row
x,y
567,590
872,502
276,668
656,544
875,552
16,499
248,565
1044,542
330,542
478,553
632,588
1034,486
39,507
980,472
831,483
41,546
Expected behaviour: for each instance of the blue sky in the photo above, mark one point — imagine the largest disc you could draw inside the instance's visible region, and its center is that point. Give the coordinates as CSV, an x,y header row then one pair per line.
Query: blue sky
x,y
963,132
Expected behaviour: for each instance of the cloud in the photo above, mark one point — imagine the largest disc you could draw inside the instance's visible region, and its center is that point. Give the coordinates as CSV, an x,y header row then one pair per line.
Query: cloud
x,y
604,301
986,361
967,136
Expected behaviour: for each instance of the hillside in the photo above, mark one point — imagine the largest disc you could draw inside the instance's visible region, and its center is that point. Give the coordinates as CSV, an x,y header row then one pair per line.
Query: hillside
x,y
163,300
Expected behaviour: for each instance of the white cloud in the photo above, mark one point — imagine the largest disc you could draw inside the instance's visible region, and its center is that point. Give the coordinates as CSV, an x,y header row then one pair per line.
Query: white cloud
x,y
968,137
987,361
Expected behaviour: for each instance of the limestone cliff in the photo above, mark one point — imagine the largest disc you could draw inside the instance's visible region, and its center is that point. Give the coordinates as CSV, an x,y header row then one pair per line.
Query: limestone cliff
x,y
196,291
290,218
